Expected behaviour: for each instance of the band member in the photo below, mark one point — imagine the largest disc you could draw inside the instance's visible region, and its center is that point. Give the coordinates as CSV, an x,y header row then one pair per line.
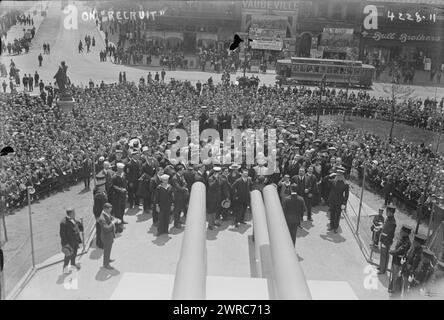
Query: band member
x,y
294,209
164,202
154,183
425,269
70,230
398,255
181,195
386,239
132,173
413,259
337,198
216,192
376,228
119,192
100,198
241,197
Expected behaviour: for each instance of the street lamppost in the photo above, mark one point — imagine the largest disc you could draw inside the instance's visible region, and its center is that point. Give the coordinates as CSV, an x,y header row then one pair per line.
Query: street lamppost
x,y
321,97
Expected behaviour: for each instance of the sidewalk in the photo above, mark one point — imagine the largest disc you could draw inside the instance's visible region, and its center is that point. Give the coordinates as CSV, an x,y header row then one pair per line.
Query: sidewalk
x,y
325,255
16,31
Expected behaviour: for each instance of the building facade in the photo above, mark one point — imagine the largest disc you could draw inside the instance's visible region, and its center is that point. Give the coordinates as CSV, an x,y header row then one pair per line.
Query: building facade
x,y
404,32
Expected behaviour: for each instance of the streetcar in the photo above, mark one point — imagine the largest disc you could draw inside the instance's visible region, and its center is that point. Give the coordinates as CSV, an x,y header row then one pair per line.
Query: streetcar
x,y
337,72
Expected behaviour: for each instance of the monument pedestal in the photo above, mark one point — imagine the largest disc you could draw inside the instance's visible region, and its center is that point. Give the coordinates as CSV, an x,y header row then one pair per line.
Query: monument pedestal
x,y
65,104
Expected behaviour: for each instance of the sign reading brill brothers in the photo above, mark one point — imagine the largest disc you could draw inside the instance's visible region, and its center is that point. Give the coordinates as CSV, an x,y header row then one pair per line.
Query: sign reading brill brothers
x,y
402,37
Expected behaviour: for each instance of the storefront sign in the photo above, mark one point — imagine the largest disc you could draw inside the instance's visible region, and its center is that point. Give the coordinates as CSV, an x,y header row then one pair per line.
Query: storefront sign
x,y
283,5
267,45
401,37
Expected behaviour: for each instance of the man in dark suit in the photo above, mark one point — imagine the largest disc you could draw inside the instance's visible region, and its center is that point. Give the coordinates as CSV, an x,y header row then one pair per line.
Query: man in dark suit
x,y
386,239
108,232
119,192
337,198
154,182
294,208
398,254
132,173
181,195
200,174
305,189
241,197
100,198
189,175
70,230
216,192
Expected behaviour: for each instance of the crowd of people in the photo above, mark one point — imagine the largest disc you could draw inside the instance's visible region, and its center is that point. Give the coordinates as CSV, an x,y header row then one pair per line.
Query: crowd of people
x,y
120,132
252,108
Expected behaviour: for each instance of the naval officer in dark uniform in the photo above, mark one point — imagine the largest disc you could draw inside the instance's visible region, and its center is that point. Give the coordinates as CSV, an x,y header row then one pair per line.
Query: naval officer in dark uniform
x,y
398,254
386,239
337,198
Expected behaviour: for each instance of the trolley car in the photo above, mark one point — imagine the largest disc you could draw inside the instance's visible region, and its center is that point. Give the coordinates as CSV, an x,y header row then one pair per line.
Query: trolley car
x,y
337,72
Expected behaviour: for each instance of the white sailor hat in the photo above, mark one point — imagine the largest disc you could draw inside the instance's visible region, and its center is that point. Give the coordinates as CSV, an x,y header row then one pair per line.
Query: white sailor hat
x,y
145,148
120,165
217,169
164,177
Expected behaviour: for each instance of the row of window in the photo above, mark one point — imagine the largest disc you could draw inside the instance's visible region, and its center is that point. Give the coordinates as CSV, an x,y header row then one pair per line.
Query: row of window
x,y
304,68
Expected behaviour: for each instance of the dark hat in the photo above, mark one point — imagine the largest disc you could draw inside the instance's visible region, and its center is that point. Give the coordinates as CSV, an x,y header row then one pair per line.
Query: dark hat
x,y
100,179
381,210
420,238
390,209
406,228
428,253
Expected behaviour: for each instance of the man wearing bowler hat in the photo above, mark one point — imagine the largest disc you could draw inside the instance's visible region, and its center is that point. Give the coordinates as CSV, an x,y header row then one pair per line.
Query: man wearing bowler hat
x,y
70,237
386,239
398,254
294,209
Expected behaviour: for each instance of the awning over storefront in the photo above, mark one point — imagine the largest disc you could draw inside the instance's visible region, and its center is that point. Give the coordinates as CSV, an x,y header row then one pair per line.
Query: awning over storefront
x,y
206,36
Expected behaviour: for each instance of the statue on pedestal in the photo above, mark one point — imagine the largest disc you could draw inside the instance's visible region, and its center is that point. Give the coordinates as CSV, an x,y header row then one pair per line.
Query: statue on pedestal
x,y
62,80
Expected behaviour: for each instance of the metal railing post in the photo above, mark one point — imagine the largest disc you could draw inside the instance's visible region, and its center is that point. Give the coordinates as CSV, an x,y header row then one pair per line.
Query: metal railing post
x,y
30,228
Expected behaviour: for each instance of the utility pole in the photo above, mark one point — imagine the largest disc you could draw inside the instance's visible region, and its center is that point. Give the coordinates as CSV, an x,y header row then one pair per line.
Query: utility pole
x,y
318,111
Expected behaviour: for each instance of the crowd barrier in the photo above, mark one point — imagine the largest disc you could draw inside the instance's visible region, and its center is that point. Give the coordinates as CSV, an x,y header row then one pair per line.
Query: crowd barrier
x,y
291,283
191,272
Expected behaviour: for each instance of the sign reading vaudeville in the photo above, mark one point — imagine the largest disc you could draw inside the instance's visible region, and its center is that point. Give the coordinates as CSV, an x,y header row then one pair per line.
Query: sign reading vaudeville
x,y
401,37
284,5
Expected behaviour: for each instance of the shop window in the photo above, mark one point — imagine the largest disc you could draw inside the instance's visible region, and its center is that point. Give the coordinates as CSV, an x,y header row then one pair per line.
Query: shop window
x,y
323,9
337,11
316,69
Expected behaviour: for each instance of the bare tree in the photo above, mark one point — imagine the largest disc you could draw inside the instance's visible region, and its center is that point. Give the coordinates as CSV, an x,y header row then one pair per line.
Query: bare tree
x,y
396,91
